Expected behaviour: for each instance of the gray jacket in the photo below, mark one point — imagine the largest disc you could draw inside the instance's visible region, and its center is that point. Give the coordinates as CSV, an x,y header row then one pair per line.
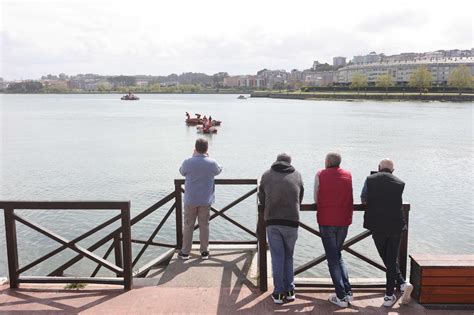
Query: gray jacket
x,y
281,192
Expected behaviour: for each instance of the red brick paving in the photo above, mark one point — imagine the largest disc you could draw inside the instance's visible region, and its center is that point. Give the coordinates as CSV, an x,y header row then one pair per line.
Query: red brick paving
x,y
95,299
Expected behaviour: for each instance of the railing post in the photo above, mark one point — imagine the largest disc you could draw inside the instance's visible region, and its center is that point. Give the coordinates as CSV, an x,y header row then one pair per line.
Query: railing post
x,y
179,215
403,255
12,248
118,251
127,248
262,251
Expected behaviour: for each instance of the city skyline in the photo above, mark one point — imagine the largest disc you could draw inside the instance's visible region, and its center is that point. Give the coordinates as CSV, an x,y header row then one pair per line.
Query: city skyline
x,y
43,37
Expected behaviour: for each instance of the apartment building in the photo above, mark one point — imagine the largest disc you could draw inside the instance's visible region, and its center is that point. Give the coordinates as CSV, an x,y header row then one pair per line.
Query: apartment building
x,y
402,70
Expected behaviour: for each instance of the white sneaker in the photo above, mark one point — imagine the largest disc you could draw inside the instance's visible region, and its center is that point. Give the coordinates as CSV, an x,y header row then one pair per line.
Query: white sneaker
x,y
277,298
388,301
349,297
337,301
406,289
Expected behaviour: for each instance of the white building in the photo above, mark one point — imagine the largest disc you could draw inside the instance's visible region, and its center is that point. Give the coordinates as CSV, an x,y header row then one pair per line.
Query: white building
x,y
271,77
339,61
402,70
370,58
320,78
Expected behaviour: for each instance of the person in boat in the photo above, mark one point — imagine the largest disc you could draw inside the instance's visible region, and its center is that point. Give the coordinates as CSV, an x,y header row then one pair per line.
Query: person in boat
x,y
204,121
198,115
188,116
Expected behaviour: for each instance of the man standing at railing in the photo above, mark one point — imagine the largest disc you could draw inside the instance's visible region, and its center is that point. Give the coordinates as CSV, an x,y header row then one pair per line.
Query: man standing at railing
x,y
382,193
199,171
333,196
281,193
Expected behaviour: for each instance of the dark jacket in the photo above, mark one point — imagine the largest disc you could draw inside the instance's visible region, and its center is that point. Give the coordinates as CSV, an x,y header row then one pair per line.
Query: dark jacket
x,y
384,204
281,192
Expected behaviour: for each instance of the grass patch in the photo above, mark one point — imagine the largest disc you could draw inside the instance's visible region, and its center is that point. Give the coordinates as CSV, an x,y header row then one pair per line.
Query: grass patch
x,y
75,286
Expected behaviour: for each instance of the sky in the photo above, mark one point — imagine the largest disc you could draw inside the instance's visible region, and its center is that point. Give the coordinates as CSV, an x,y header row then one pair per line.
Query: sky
x,y
239,37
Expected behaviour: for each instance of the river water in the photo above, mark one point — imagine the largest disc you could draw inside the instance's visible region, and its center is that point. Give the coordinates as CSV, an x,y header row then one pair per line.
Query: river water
x,y
96,147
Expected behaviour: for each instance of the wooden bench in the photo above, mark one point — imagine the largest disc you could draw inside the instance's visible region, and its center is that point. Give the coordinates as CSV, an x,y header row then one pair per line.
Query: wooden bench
x,y
442,279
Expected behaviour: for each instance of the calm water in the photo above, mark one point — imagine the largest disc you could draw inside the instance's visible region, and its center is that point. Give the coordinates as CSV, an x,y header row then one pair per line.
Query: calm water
x,y
96,147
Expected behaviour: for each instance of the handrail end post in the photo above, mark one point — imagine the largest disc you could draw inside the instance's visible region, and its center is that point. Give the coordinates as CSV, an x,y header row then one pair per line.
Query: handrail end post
x,y
127,248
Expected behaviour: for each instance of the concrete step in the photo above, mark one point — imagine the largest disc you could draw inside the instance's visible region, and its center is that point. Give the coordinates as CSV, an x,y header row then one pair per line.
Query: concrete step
x,y
227,266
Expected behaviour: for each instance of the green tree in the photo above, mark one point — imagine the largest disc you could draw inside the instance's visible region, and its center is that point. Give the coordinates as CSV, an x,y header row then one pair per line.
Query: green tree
x,y
122,80
359,80
385,81
421,79
25,87
103,87
155,88
279,86
218,78
55,89
461,78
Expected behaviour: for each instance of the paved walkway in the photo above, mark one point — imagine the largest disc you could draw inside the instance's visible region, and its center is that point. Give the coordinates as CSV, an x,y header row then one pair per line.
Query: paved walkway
x,y
223,284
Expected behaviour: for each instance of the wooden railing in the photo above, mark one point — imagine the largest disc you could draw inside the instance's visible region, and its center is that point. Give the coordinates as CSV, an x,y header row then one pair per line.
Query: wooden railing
x,y
115,235
346,247
217,213
122,267
122,240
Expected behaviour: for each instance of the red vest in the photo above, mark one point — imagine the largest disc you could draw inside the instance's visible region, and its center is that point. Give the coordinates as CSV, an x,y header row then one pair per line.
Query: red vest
x,y
335,202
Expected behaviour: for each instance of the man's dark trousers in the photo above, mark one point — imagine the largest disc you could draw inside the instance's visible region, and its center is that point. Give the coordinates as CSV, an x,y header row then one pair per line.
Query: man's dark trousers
x,y
388,247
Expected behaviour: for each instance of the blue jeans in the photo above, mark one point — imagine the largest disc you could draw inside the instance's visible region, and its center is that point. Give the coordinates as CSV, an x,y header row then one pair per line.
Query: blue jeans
x,y
282,240
333,237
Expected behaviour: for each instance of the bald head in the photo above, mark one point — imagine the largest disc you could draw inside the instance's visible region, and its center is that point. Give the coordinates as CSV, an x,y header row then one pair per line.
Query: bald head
x,y
386,164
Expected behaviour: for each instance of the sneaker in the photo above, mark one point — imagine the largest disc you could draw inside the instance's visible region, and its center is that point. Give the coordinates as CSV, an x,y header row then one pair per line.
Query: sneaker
x,y
205,255
388,301
290,295
337,301
349,296
183,256
406,289
277,298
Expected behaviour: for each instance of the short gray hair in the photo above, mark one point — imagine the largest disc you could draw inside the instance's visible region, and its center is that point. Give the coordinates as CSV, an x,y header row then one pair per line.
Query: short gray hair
x,y
284,157
333,159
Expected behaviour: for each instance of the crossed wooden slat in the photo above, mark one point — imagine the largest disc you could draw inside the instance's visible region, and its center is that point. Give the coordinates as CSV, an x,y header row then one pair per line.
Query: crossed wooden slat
x,y
69,244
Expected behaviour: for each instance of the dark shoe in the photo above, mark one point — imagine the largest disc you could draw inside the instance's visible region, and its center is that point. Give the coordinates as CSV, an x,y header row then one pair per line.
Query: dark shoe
x,y
183,256
290,295
277,298
205,255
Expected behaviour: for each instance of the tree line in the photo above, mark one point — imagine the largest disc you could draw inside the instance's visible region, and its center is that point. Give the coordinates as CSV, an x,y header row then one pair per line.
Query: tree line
x,y
460,78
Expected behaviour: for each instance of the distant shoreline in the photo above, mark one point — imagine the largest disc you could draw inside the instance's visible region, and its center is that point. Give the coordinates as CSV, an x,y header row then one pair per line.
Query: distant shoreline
x,y
370,96
123,93
347,96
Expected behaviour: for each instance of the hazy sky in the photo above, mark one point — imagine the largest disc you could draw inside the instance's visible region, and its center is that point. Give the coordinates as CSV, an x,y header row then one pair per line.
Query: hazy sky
x,y
240,37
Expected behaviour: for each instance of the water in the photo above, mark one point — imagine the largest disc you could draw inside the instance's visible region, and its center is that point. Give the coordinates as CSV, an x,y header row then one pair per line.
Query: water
x,y
96,147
